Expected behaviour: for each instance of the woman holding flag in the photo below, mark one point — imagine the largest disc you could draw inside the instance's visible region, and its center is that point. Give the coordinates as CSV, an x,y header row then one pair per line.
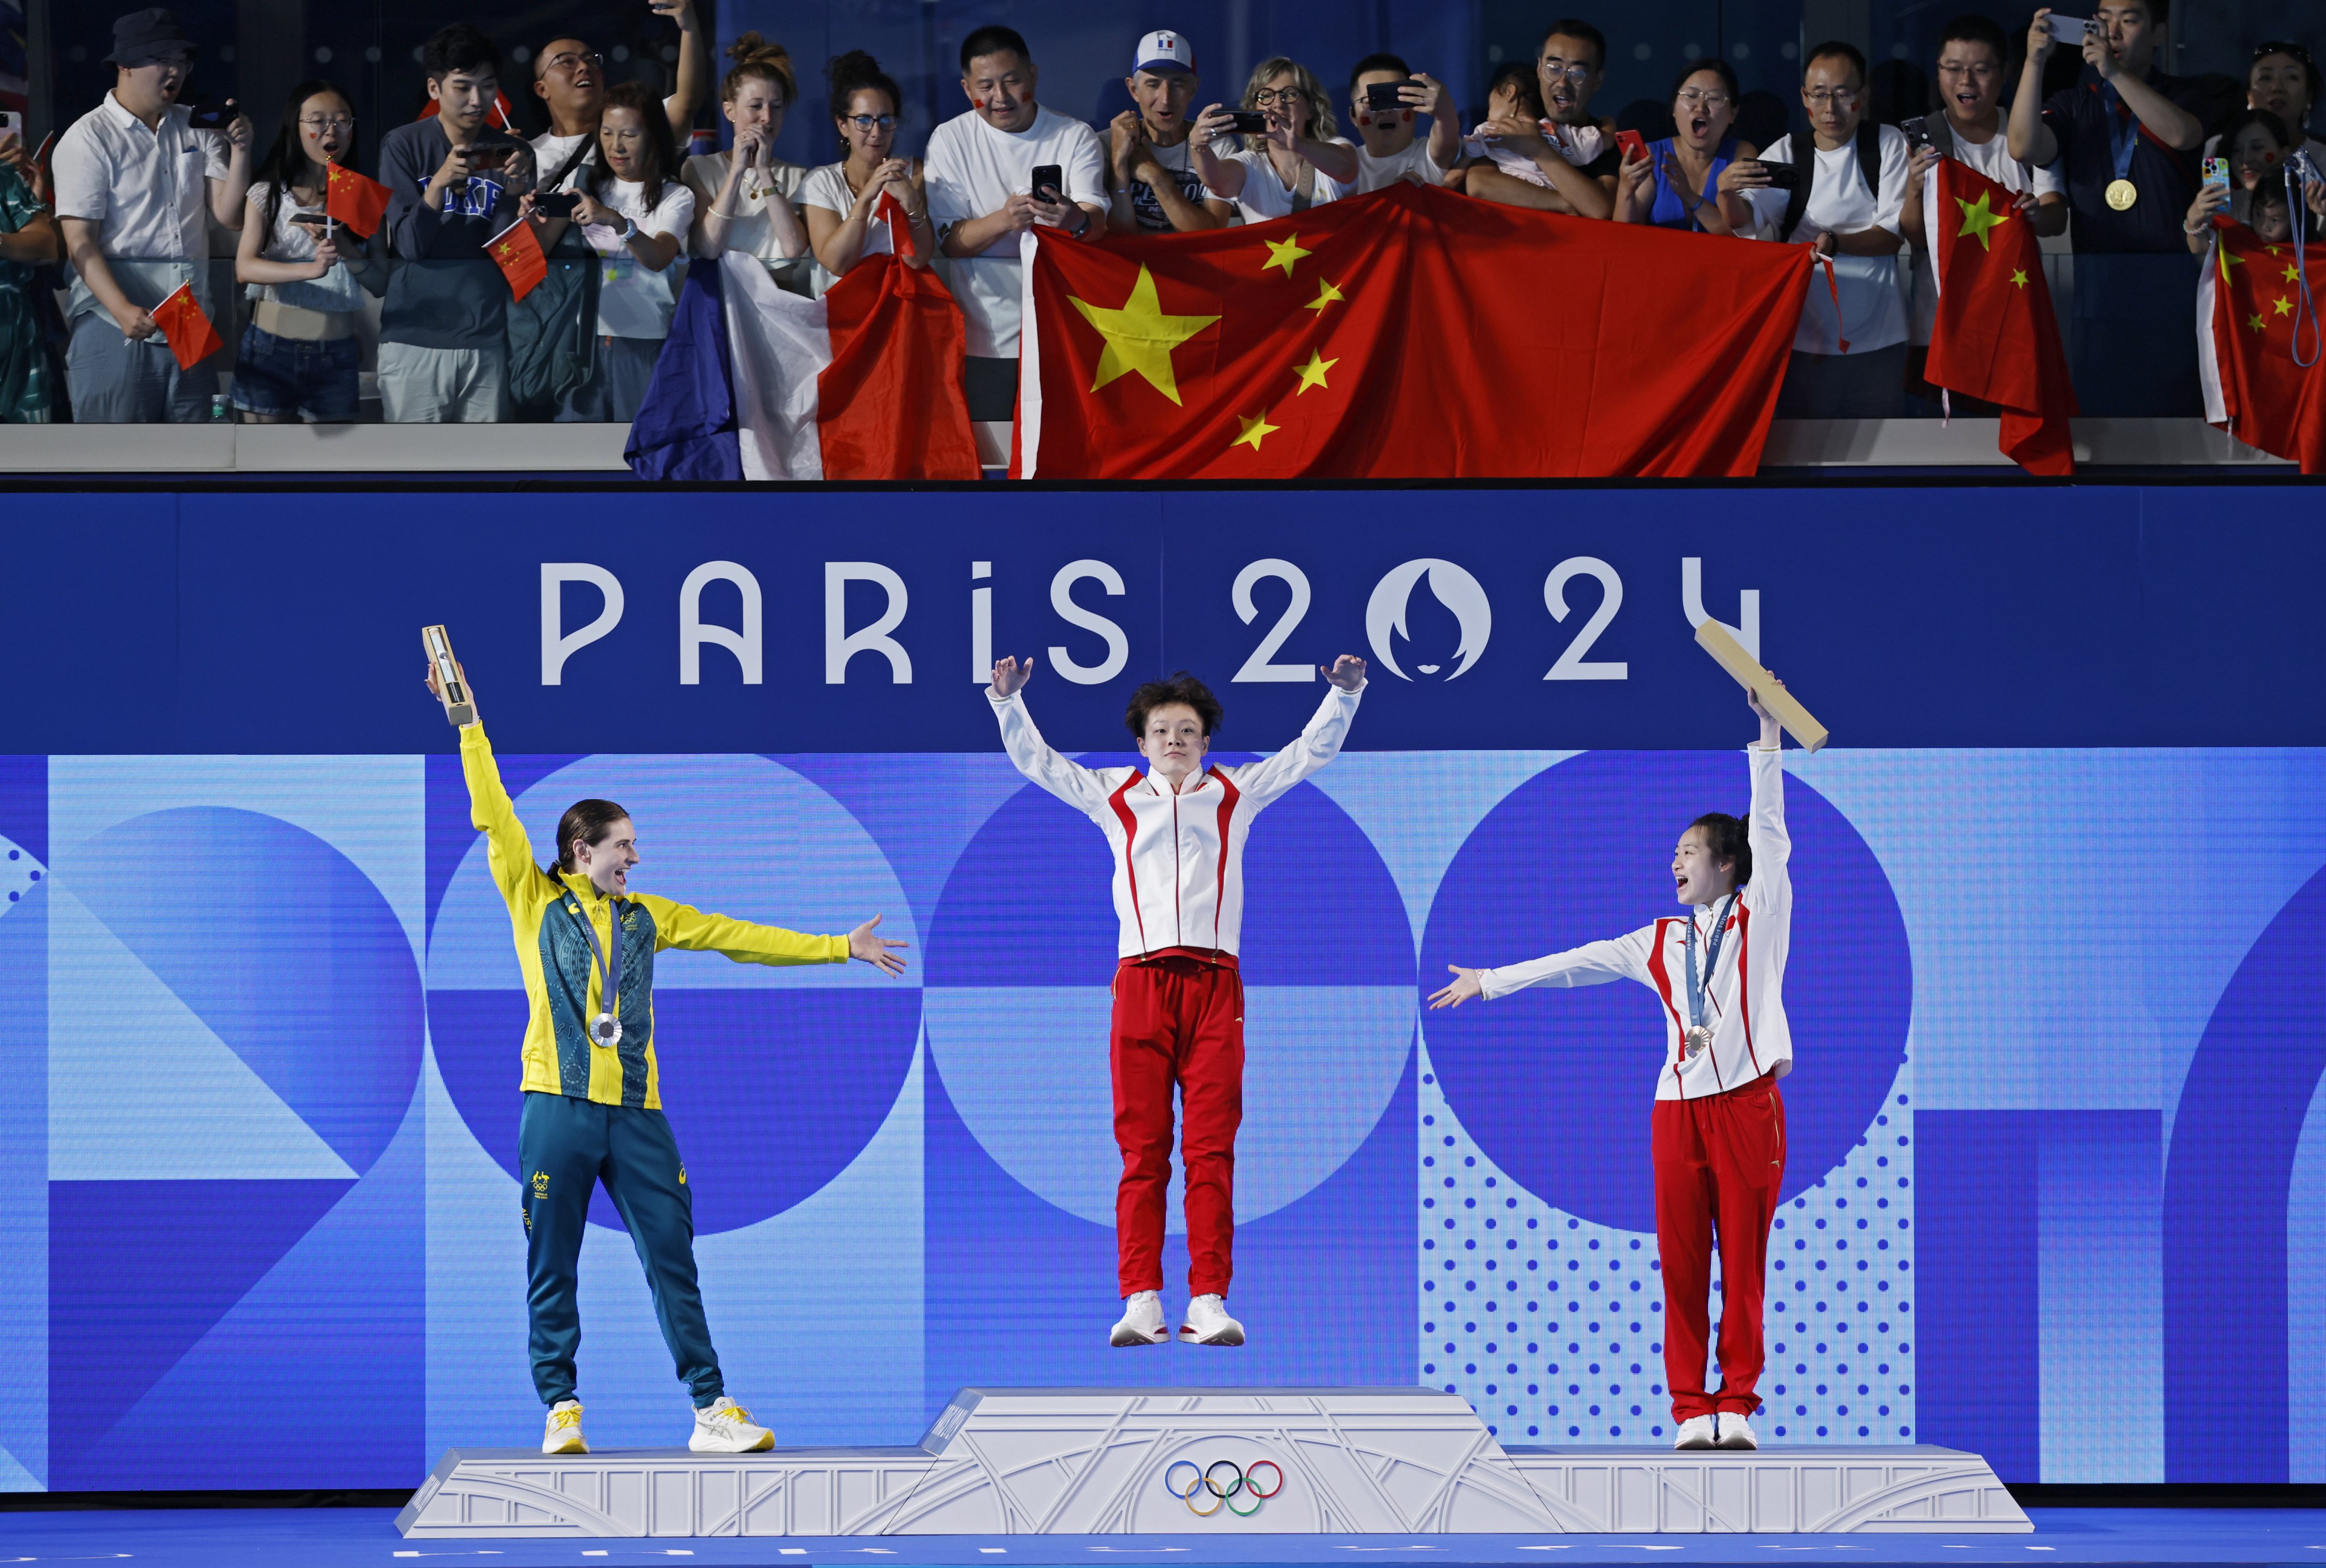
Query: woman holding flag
x,y
842,200
306,272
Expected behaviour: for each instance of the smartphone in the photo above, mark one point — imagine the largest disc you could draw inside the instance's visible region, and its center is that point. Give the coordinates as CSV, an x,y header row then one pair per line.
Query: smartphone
x,y
2217,173
1382,95
2070,29
1049,183
1248,122
489,155
556,203
1781,176
1917,130
318,221
1633,144
210,116
12,123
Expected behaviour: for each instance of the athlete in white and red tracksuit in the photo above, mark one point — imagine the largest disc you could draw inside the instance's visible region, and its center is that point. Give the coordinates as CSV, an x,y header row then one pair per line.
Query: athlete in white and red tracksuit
x,y
1176,832
1718,1130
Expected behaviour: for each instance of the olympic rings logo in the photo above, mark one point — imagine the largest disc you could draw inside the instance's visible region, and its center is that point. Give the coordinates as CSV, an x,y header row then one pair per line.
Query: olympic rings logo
x,y
1240,1481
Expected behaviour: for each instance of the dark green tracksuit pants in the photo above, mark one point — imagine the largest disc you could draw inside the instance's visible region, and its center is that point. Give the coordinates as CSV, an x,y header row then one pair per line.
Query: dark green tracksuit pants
x,y
567,1147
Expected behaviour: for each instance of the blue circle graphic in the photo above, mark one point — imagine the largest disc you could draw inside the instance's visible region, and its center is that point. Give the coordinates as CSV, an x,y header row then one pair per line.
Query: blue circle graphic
x,y
1554,1084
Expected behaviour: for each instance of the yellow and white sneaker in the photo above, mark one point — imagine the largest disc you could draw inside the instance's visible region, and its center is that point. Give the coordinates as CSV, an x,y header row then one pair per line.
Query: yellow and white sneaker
x,y
724,1426
563,1435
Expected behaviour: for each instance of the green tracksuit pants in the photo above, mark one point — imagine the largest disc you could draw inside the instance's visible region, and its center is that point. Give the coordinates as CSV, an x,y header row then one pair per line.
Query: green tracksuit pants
x,y
567,1147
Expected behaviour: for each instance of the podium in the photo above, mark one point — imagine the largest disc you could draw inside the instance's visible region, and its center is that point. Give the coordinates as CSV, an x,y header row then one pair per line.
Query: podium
x,y
1116,1462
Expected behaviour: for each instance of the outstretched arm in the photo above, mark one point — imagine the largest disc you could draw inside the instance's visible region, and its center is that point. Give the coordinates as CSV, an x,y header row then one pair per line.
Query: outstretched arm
x,y
749,943
1072,783
1318,743
1594,963
1773,847
508,854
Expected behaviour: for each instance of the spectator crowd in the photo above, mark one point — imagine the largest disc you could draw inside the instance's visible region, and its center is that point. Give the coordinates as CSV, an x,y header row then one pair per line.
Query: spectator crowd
x,y
2129,162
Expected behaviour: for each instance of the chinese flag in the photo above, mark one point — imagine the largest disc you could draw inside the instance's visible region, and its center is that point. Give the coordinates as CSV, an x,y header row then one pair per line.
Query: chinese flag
x,y
2254,384
185,328
356,201
517,253
1996,337
1413,332
890,406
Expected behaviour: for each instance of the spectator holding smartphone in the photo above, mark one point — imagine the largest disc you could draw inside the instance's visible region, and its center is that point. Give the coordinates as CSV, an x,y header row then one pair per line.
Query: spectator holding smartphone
x,y
1293,163
1697,177
1391,146
136,184
746,201
1568,162
570,77
2283,79
1847,186
2257,143
980,176
2126,137
1153,185
444,338
635,212
839,199
29,242
1973,55
305,274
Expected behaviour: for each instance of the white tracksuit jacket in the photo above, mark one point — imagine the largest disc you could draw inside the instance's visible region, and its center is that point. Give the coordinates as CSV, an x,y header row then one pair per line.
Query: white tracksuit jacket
x,y
1745,1000
1179,859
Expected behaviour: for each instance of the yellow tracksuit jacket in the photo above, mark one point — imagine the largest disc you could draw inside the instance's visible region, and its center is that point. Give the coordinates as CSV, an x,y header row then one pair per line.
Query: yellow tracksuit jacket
x,y
561,978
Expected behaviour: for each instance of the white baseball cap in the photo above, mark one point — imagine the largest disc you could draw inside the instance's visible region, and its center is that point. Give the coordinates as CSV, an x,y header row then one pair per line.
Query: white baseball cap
x,y
1164,50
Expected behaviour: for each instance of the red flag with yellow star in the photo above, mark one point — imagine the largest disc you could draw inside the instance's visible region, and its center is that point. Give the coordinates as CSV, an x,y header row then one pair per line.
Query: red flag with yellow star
x,y
1413,332
2251,298
1996,337
516,251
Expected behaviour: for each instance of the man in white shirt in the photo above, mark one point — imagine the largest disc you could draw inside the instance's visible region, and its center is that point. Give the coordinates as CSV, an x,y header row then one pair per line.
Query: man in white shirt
x,y
136,185
1852,187
570,77
1568,161
1393,148
978,173
1973,53
1155,187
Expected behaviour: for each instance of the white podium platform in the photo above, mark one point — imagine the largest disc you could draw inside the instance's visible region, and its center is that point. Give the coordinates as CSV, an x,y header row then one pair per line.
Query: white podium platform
x,y
1094,1462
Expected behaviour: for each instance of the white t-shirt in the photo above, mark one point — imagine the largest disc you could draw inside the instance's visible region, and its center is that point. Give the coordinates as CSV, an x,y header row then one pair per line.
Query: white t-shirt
x,y
972,170
1872,309
634,301
146,191
749,230
1993,159
828,187
1373,174
336,290
550,152
1265,194
1578,144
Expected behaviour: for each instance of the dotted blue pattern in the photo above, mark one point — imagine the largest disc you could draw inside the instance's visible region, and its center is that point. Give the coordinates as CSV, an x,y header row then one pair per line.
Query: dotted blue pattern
x,y
18,871
1552,1326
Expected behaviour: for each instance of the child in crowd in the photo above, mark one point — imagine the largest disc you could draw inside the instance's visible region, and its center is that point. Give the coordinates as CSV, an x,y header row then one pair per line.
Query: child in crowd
x,y
2256,146
306,275
838,199
745,201
1511,94
635,212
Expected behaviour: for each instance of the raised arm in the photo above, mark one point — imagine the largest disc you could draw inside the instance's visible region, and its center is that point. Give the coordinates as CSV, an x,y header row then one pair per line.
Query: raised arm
x,y
1078,787
1594,963
1319,743
1773,847
507,852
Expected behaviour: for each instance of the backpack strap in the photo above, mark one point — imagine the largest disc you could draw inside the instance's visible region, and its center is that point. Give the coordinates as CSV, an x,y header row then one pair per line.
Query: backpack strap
x,y
1797,200
1869,158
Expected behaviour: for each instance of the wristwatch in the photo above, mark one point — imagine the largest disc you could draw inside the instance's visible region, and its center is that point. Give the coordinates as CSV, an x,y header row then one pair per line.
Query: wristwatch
x,y
630,230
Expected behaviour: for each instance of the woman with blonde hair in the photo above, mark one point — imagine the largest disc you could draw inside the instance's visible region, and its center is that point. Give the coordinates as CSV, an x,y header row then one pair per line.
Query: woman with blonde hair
x,y
743,199
1292,165
839,199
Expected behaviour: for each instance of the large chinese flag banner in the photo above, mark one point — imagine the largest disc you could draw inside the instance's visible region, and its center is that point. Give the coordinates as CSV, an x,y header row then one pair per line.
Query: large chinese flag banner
x,y
1996,337
2256,327
1412,333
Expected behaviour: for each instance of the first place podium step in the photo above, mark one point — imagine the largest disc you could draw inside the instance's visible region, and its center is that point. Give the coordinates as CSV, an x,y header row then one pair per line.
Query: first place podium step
x,y
1172,1461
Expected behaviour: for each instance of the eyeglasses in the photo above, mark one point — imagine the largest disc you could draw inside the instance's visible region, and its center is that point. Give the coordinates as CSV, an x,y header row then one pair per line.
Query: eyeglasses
x,y
872,122
1980,68
2262,50
1288,96
336,123
574,61
1837,99
1696,97
1553,68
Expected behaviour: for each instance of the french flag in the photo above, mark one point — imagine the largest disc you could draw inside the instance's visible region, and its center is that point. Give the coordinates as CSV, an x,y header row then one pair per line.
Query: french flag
x,y
757,383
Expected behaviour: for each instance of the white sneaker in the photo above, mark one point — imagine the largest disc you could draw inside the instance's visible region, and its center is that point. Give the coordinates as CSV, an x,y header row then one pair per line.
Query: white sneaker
x,y
1142,1322
724,1426
563,1435
1208,1323
1697,1431
1735,1431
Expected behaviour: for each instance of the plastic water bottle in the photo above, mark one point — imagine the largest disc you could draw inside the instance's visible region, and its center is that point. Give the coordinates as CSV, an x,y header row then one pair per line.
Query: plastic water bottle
x,y
219,413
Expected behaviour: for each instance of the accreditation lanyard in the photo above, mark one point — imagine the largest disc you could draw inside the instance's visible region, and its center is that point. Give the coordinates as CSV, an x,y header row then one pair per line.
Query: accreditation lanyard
x,y
610,958
2123,129
1695,988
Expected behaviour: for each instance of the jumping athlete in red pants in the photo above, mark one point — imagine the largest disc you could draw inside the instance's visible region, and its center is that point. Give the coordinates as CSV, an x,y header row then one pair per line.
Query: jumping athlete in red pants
x,y
1718,1135
1177,833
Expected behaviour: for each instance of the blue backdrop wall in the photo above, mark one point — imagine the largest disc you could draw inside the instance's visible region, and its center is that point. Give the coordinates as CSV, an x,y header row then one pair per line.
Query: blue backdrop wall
x,y
2054,1193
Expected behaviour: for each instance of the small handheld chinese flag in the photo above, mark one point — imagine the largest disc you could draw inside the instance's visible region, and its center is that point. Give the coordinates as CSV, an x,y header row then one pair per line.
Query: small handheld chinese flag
x,y
517,253
356,201
185,328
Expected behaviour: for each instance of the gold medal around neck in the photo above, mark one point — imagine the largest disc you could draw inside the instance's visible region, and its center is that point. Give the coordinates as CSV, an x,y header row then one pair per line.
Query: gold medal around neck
x,y
2121,194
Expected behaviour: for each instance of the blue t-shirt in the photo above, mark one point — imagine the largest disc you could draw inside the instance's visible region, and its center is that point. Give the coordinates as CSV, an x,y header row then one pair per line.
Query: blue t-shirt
x,y
1671,209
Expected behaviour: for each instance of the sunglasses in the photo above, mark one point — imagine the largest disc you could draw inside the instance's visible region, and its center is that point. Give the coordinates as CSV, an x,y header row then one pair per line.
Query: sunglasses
x,y
2263,50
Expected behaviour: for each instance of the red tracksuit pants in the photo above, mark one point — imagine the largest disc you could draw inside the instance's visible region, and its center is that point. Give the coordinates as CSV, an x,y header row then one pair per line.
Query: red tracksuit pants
x,y
1178,1023
1719,1164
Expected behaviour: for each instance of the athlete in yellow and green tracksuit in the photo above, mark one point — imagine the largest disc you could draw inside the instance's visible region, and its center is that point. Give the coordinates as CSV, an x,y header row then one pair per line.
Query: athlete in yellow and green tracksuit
x,y
594,1113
